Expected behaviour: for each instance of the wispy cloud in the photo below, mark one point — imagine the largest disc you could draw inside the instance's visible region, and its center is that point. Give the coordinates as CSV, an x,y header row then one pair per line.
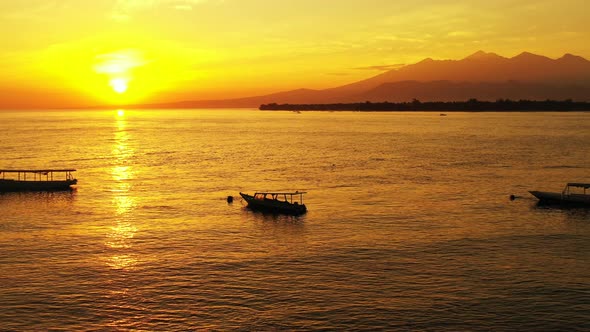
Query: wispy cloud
x,y
30,10
337,74
381,67
119,62
460,34
183,7
124,9
139,4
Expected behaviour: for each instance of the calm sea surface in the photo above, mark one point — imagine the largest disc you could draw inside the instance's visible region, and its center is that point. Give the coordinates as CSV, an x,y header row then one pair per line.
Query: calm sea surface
x,y
410,226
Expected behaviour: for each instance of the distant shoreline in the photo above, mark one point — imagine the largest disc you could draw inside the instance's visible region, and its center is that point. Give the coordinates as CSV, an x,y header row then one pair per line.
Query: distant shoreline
x,y
472,105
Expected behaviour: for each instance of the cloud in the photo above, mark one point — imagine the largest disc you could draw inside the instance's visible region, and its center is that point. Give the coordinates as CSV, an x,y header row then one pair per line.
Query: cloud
x,y
119,62
338,74
459,34
142,4
184,7
393,38
382,67
124,9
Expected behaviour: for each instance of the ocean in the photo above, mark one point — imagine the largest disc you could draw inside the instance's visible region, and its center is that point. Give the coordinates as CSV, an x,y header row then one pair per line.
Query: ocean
x,y
409,224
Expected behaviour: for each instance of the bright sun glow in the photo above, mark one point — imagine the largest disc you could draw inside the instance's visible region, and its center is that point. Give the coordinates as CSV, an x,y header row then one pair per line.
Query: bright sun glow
x,y
119,85
120,112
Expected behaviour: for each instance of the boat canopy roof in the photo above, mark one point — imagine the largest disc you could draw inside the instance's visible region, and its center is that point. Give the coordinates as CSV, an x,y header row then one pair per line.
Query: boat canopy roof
x,y
279,193
35,170
580,185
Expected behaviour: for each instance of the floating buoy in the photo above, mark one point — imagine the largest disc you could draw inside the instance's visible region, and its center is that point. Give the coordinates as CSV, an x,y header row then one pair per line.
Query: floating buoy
x,y
512,197
230,199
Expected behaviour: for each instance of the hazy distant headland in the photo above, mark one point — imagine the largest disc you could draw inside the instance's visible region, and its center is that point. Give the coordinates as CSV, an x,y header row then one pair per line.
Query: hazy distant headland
x,y
472,105
482,76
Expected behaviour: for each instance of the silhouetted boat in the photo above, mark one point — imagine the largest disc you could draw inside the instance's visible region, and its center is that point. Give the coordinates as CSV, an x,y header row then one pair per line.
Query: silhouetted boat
x,y
36,180
566,197
277,202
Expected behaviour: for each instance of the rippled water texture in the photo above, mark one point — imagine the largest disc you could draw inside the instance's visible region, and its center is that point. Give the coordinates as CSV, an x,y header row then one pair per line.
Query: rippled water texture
x,y
409,224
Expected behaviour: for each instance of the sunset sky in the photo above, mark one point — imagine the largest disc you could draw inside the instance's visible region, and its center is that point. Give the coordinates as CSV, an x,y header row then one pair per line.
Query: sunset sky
x,y
70,53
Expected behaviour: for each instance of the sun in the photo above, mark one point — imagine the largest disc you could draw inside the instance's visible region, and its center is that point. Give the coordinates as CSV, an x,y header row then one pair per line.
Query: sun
x,y
119,85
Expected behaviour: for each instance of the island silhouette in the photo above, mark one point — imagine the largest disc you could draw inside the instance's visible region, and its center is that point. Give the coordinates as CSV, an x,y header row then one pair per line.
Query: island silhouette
x,y
471,105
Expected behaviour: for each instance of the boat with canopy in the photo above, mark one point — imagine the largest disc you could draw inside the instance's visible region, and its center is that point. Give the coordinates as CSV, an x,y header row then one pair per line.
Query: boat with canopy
x,y
574,193
277,202
36,179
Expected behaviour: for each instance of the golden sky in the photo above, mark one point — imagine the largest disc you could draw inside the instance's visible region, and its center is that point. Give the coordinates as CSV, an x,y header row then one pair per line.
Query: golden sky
x,y
64,53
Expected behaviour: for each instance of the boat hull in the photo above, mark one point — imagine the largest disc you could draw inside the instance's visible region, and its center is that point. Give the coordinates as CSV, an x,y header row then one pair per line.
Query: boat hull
x,y
18,185
274,206
559,199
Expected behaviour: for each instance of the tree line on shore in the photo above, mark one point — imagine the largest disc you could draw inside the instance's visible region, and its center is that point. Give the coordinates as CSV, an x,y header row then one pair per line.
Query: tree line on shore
x,y
471,105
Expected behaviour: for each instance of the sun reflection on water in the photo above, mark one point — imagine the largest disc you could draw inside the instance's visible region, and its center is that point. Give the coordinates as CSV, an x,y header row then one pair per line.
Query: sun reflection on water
x,y
121,174
122,262
121,235
120,238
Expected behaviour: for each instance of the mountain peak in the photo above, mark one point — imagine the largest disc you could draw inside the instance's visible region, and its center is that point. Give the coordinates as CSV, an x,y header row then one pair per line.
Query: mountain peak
x,y
479,55
529,56
426,60
571,58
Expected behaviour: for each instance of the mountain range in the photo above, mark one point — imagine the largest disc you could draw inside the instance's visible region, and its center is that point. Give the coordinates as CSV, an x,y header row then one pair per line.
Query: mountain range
x,y
483,76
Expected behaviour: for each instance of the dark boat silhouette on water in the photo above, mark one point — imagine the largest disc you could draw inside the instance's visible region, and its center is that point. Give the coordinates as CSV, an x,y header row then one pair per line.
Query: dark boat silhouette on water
x,y
36,180
277,202
567,196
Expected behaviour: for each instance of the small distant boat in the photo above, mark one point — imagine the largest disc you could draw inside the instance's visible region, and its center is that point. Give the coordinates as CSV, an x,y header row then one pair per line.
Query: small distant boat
x,y
567,196
277,202
442,114
36,180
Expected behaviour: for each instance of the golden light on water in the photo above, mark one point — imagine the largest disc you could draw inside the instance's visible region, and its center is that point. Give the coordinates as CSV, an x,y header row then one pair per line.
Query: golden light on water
x,y
120,238
122,262
122,202
121,235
